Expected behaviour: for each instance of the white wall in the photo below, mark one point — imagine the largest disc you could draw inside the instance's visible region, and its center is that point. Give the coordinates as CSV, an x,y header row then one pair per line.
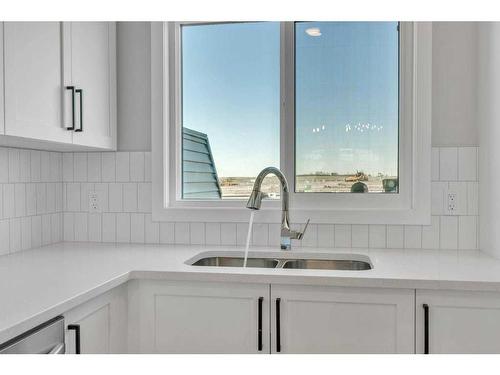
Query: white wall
x,y
133,70
454,85
488,100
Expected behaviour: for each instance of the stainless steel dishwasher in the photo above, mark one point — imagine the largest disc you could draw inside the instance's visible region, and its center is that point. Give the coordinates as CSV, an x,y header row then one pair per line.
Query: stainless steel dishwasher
x,y
47,338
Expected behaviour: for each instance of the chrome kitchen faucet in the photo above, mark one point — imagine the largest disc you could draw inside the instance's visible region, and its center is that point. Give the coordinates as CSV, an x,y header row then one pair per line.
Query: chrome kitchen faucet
x,y
255,201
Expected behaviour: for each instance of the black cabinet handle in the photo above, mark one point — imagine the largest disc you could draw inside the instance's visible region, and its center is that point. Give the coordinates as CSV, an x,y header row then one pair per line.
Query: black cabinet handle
x,y
278,326
76,328
72,88
259,344
80,93
426,328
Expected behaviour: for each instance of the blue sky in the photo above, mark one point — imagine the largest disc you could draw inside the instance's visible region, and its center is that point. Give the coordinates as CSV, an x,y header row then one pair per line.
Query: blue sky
x,y
346,95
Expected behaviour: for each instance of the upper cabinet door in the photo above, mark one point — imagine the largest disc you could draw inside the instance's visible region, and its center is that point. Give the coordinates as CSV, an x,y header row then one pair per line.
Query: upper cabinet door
x,y
92,55
2,125
33,81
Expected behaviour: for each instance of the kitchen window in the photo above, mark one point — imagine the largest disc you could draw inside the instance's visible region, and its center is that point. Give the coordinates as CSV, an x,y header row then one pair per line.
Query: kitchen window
x,y
342,108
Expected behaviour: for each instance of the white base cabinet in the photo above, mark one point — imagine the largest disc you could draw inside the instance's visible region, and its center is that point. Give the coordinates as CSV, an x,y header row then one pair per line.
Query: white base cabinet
x,y
311,319
196,317
457,322
101,322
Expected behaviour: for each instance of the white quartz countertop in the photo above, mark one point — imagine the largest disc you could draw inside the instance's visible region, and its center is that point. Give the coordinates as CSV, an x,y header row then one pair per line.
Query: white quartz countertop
x,y
38,284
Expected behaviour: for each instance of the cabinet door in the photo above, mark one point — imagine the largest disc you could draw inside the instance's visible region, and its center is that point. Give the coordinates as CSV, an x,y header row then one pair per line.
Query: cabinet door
x,y
102,322
458,322
341,320
93,70
197,317
33,81
2,124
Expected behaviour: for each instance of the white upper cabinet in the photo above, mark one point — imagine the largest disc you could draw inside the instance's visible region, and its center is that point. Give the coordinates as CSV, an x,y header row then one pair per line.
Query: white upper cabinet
x,y
43,59
33,70
90,66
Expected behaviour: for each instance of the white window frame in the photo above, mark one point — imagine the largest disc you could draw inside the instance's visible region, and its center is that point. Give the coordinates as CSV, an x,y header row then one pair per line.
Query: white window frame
x,y
410,206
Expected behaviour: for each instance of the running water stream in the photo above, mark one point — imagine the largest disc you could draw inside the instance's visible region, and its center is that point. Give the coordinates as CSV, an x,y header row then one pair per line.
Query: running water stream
x,y
249,235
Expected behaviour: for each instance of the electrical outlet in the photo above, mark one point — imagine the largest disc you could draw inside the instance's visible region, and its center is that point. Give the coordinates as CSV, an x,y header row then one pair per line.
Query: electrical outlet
x,y
94,202
452,202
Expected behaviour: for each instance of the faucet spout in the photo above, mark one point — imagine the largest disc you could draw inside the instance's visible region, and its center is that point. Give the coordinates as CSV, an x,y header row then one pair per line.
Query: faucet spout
x,y
255,202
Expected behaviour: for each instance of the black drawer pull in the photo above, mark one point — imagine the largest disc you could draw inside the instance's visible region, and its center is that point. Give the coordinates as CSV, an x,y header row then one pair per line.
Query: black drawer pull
x,y
278,326
426,328
259,344
80,93
72,88
76,328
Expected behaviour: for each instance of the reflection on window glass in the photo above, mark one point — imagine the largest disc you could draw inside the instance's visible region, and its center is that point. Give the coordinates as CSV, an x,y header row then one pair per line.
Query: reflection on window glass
x,y
347,104
230,108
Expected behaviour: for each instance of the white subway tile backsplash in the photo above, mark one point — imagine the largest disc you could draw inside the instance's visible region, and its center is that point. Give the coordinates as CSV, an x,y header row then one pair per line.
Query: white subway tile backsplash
x,y
182,233
32,190
130,197
137,228
147,166
26,233
467,163
4,166
68,226
95,227
377,236
108,227
73,196
448,164
197,233
94,167
448,232
81,226
326,235
80,167
212,234
122,167
9,201
167,233
4,237
137,166
430,234
151,231
36,231
310,238
123,227
467,232
413,236
472,198
144,197
342,235
395,236
115,197
24,166
13,165
360,235
108,160
228,234
45,167
15,234
67,165
20,199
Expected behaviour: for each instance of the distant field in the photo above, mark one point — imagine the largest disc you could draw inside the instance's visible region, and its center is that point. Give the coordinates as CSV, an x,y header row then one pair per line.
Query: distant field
x,y
239,187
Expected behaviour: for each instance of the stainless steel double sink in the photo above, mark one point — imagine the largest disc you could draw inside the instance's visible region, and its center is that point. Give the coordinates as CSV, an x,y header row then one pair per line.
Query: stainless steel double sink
x,y
349,263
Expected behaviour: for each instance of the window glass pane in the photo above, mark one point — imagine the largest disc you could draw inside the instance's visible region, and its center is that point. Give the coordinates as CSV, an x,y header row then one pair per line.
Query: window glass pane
x,y
347,104
230,108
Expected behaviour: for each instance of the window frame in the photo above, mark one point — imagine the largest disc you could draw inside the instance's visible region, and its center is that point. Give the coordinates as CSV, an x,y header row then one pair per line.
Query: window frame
x,y
410,206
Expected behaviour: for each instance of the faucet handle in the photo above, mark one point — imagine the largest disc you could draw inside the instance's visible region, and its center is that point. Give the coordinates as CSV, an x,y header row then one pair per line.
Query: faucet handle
x,y
301,233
